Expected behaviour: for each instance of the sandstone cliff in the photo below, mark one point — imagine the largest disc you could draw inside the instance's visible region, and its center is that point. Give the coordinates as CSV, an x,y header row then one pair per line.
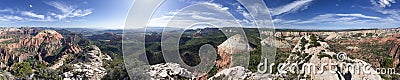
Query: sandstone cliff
x,y
236,44
395,54
27,43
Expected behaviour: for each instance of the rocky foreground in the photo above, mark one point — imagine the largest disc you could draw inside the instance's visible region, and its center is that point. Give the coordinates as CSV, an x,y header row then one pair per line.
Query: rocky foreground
x,y
309,50
89,65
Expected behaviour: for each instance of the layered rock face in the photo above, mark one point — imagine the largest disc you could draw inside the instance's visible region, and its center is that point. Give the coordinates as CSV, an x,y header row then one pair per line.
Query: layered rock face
x,y
88,65
395,54
233,45
69,49
23,43
47,42
72,48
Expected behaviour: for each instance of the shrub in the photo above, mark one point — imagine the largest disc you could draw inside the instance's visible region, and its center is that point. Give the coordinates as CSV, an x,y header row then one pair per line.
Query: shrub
x,y
314,40
388,63
303,41
20,70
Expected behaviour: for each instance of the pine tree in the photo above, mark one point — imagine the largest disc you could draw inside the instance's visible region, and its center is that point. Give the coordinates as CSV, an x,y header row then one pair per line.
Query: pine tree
x,y
314,42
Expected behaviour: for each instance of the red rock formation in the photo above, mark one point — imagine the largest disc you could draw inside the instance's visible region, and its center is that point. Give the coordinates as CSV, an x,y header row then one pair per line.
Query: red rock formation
x,y
233,45
71,48
395,54
24,43
225,60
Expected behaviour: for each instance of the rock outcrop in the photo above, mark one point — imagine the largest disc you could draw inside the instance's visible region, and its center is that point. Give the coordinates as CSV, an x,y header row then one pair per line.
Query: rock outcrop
x,y
395,54
317,55
233,73
72,48
233,45
88,65
278,43
168,71
24,43
241,73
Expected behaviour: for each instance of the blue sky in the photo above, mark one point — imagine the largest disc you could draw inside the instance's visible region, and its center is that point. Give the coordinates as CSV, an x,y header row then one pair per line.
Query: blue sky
x,y
102,14
293,14
296,14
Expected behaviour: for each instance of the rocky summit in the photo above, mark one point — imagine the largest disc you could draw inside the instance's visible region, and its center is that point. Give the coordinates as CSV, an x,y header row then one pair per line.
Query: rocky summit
x,y
88,65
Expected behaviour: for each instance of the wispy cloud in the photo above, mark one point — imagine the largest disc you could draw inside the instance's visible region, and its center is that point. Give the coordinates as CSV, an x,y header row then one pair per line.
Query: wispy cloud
x,y
5,18
68,11
213,13
339,19
358,15
393,13
383,3
217,6
23,16
291,7
7,10
352,20
195,1
31,14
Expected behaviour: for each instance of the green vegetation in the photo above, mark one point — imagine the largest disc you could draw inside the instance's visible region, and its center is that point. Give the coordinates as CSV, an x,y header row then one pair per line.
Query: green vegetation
x,y
21,70
303,41
388,63
255,58
314,40
324,55
212,72
117,70
44,73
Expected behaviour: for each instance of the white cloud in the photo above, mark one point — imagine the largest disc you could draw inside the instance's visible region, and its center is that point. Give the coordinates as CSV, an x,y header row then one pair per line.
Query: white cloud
x,y
242,11
354,20
339,18
5,18
6,10
291,7
211,14
31,14
379,6
26,16
383,3
218,6
195,1
358,15
393,13
60,6
68,11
